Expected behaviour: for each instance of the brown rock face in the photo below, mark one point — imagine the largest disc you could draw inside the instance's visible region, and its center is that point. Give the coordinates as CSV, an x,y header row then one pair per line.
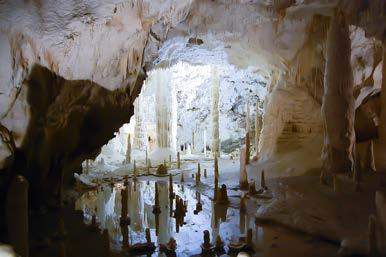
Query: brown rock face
x,y
69,122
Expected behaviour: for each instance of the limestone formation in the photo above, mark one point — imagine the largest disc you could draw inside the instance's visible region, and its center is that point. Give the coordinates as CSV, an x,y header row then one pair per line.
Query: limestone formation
x,y
338,100
198,174
243,178
215,112
247,148
205,173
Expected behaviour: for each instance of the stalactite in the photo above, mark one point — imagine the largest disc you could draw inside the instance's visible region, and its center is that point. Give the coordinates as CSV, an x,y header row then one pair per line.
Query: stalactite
x,y
215,111
338,101
193,146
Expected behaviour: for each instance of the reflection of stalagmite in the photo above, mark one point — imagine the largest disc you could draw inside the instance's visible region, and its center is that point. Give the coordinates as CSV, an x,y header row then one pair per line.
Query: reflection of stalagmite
x,y
178,161
215,111
171,193
338,101
257,130
17,215
182,178
125,220
128,149
156,207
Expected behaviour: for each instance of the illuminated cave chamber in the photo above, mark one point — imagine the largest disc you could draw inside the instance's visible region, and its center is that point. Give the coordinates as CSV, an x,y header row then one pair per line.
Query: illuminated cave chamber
x,y
174,111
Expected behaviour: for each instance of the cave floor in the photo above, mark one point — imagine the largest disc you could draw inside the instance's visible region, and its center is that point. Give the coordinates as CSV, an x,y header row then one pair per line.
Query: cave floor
x,y
69,232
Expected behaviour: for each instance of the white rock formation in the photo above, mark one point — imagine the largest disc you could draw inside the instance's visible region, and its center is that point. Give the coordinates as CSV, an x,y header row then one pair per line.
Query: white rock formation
x,y
215,112
166,116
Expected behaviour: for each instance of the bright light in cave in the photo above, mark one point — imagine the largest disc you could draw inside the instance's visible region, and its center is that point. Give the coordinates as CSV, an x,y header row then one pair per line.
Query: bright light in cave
x,y
190,87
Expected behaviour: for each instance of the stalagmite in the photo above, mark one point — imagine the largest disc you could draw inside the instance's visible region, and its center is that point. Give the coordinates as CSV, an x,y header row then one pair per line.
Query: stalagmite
x,y
170,160
205,174
128,149
252,188
17,215
193,146
204,143
178,161
215,111
224,194
257,131
247,148
247,118
338,101
243,206
206,247
134,171
243,178
198,175
162,170
263,185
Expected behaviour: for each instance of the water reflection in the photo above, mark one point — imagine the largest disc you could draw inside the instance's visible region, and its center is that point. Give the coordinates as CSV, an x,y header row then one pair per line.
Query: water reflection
x,y
126,210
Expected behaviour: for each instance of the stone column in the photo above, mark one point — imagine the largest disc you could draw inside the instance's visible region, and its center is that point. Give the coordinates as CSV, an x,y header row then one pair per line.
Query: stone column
x,y
215,111
338,101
